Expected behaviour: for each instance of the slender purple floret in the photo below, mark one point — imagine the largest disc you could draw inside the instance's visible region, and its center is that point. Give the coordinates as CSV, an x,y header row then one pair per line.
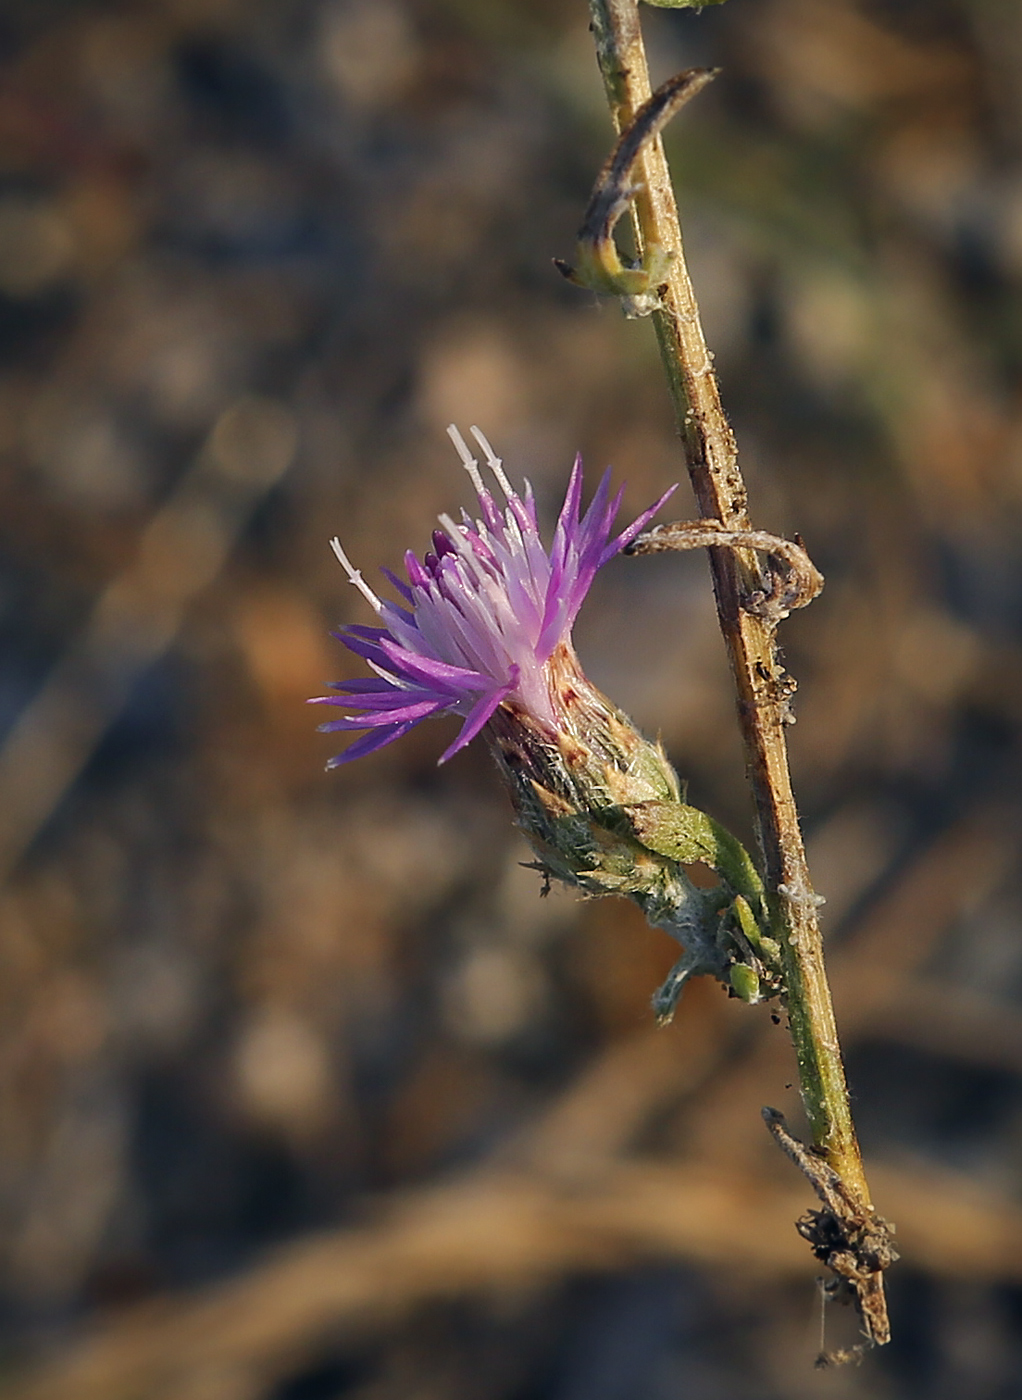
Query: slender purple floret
x,y
480,616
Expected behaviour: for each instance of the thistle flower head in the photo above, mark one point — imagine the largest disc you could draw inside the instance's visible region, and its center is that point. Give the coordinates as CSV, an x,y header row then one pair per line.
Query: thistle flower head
x,y
481,615
483,631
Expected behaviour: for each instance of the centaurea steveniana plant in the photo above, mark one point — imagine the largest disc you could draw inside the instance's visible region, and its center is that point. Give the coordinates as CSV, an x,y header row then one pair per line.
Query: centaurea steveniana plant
x,y
487,635
484,632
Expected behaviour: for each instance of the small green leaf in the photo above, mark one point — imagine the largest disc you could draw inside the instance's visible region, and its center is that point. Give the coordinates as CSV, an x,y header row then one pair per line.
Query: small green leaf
x,y
745,981
746,921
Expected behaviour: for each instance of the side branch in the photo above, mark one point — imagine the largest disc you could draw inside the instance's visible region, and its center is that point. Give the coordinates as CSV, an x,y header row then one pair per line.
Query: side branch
x,y
794,578
599,266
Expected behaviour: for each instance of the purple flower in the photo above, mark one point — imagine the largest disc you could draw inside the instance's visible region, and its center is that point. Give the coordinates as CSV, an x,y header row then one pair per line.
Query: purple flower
x,y
482,615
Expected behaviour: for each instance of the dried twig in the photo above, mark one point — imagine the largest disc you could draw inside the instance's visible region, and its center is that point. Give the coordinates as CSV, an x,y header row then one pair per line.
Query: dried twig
x,y
855,1244
137,616
599,265
794,578
721,495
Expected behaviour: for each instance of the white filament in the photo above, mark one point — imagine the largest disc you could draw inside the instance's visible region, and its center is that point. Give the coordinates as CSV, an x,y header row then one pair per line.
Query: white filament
x,y
493,462
467,460
355,575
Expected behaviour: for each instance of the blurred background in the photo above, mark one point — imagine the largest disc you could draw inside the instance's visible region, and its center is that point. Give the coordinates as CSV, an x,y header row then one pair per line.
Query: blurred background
x,y
304,1091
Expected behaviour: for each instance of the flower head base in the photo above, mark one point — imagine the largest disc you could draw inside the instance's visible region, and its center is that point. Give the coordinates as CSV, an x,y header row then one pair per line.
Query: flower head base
x,y
482,614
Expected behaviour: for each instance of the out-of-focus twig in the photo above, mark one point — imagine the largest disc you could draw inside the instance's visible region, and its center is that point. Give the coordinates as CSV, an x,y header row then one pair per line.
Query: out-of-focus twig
x,y
484,1234
953,1023
138,615
720,492
613,1099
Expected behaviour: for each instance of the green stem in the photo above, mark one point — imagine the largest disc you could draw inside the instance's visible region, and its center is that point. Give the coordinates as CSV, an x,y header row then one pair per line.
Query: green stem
x,y
712,462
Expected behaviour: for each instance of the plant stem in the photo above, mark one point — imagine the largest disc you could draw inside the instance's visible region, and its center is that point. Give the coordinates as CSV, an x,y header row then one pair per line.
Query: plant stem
x,y
762,696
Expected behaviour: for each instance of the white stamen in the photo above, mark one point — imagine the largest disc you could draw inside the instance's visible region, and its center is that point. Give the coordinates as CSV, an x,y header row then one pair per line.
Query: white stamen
x,y
454,533
467,460
493,462
459,539
388,676
355,575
